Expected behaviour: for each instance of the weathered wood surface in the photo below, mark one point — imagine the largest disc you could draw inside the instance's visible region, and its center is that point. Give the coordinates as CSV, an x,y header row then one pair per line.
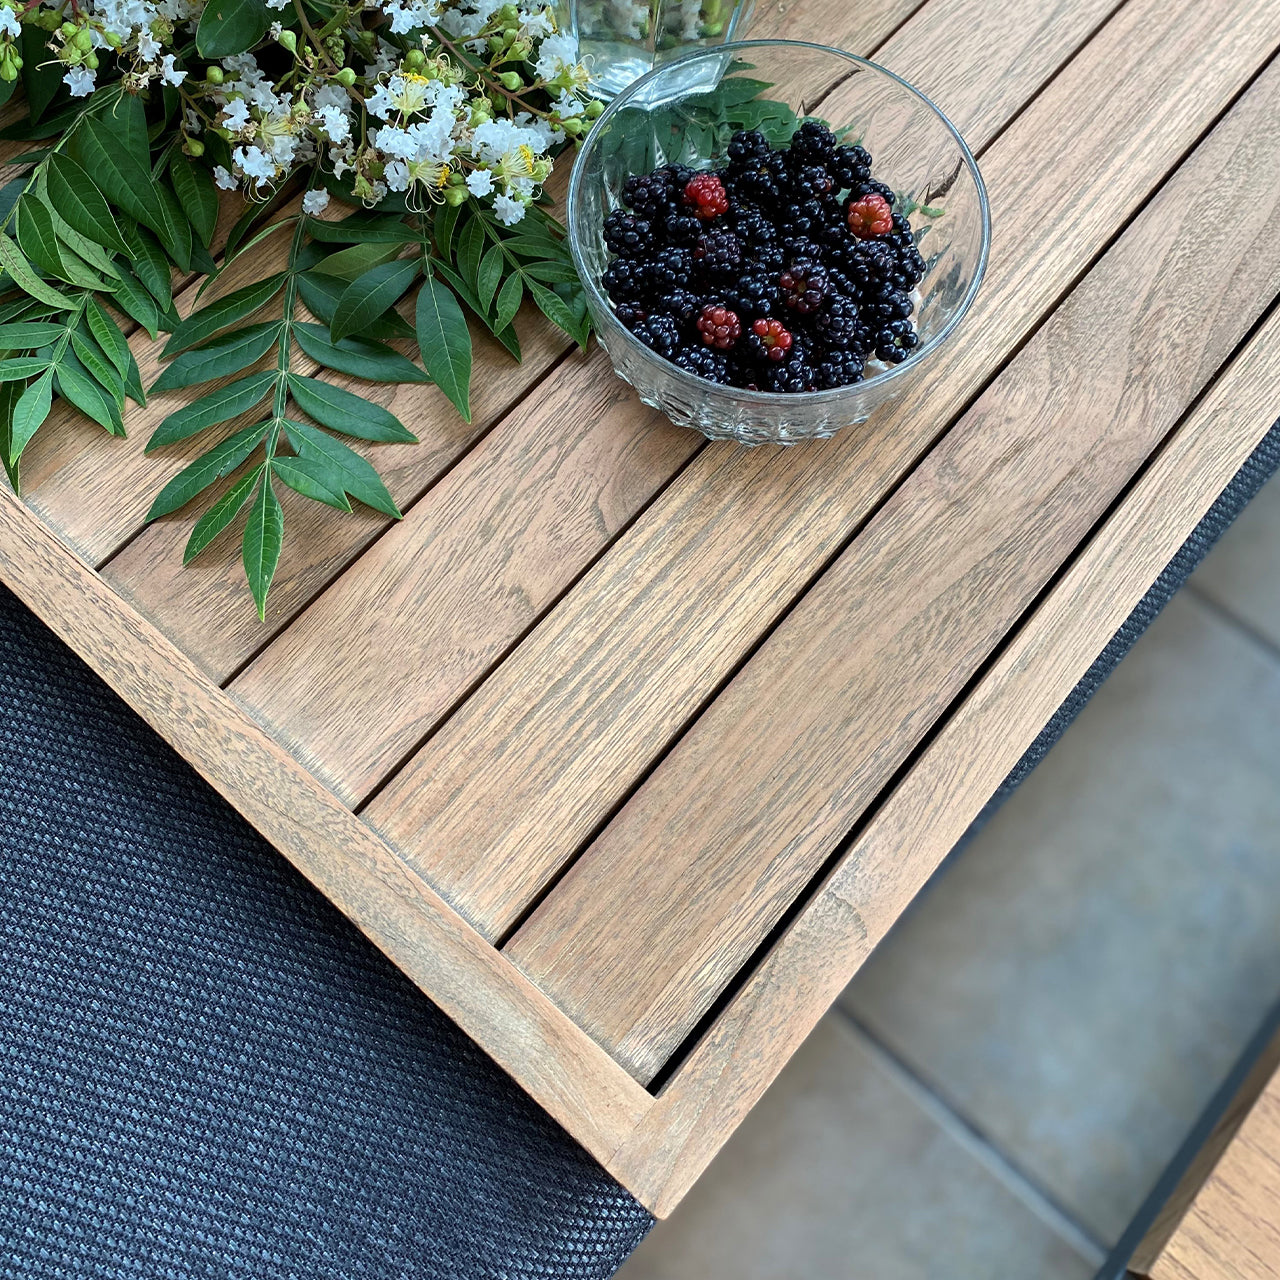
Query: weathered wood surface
x,y
512,784
695,669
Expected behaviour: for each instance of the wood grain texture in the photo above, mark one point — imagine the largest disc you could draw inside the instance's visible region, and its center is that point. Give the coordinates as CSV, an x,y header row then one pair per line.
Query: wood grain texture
x,y
472,983
519,777
448,591
203,607
1232,1230
742,812
931,808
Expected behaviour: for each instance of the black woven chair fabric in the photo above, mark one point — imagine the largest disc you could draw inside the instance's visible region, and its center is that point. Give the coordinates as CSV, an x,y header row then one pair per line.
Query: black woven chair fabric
x,y
205,1071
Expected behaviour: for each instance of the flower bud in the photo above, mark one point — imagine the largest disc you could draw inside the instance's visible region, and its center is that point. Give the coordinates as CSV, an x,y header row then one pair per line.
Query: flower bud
x,y
574,126
346,77
508,15
194,147
113,39
68,29
289,39
214,75
496,44
8,72
82,40
415,59
454,196
91,60
511,80
595,109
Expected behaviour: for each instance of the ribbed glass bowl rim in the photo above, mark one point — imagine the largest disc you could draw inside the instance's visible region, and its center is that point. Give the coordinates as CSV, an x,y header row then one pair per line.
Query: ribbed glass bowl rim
x,y
777,399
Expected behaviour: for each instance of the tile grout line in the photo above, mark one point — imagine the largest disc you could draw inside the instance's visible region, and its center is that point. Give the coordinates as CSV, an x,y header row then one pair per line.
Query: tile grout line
x,y
1230,618
1021,1185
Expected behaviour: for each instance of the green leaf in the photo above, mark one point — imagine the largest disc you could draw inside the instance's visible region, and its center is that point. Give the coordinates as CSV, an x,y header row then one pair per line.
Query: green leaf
x,y
349,264
344,411
445,342
174,229
80,204
99,366
41,75
320,293
219,405
210,467
489,276
37,238
87,396
363,229
263,538
229,27
220,514
24,335
552,272
10,394
307,477
134,301
509,298
149,263
117,173
369,295
29,413
203,324
443,226
357,357
343,468
555,308
20,368
12,260
94,255
197,195
10,194
109,337
471,240
221,357
128,126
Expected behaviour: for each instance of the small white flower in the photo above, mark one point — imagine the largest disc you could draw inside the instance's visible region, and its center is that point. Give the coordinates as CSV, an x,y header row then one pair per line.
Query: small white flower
x,y
275,29
507,211
80,81
277,4
315,202
148,46
335,122
169,73
235,115
479,182
397,175
9,24
223,178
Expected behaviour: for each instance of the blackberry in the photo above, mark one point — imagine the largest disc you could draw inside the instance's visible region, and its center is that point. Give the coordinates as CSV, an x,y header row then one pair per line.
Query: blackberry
x,y
873,188
803,286
754,296
811,181
681,227
751,226
813,143
792,376
769,341
685,305
705,195
762,181
839,325
626,280
706,363
802,249
850,167
870,216
648,194
629,314
869,264
839,369
671,268
747,145
896,341
719,256
719,327
627,234
661,334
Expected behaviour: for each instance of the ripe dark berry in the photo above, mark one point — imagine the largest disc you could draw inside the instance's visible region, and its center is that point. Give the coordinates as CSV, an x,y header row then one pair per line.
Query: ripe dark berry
x,y
896,341
647,193
720,327
705,195
870,216
838,325
792,376
685,305
769,340
747,145
812,181
754,296
705,362
660,333
813,142
839,369
629,314
850,167
670,268
627,234
751,226
626,280
803,286
719,256
761,181
682,227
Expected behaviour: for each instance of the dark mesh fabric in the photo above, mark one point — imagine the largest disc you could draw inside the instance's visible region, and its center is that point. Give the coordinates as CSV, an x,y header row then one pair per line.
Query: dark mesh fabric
x,y
205,1071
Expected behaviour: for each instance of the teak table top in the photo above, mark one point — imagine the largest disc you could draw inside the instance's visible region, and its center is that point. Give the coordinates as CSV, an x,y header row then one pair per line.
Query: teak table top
x,y
629,748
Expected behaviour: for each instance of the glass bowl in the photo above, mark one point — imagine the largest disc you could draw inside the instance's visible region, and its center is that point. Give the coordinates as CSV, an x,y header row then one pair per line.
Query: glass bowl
x,y
772,84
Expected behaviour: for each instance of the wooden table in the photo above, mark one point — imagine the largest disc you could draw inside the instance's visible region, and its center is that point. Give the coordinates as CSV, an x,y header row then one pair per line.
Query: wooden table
x,y
629,748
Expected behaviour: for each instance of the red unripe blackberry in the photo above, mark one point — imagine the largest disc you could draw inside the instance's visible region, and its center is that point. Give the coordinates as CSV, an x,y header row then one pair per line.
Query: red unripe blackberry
x,y
770,340
705,194
870,216
720,327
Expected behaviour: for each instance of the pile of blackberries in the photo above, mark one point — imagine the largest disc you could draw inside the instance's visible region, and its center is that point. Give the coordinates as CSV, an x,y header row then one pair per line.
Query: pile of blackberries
x,y
785,270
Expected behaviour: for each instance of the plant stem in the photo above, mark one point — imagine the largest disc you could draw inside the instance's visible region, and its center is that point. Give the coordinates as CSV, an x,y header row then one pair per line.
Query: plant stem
x,y
310,32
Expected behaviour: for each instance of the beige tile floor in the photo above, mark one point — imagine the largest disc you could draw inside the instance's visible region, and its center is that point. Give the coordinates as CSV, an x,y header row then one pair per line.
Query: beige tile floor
x,y
1000,1087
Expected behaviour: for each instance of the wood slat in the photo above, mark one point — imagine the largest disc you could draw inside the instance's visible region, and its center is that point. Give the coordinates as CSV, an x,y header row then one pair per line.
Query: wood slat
x,y
519,777
934,805
204,608
448,591
676,893
568,1075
